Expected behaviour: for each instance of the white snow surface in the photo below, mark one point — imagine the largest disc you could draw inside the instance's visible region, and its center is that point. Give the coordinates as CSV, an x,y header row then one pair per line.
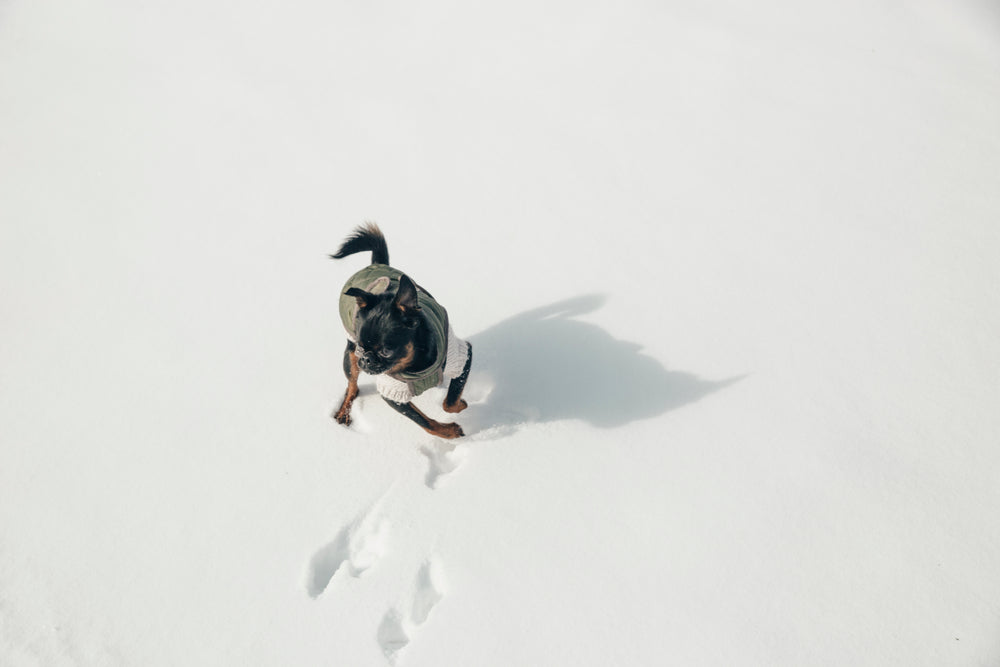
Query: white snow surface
x,y
730,271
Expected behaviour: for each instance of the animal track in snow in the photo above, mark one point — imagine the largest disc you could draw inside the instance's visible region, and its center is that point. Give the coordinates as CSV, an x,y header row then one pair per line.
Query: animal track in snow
x,y
359,422
443,457
478,390
359,544
397,628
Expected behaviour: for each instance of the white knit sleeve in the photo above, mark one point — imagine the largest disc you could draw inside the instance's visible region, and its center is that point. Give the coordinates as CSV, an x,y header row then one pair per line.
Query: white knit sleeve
x,y
393,389
458,353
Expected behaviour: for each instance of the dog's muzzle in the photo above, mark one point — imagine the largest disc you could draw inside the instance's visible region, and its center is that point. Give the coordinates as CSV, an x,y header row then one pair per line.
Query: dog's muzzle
x,y
368,363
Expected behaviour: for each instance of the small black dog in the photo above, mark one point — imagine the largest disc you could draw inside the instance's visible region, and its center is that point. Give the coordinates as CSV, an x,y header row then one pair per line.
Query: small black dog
x,y
397,332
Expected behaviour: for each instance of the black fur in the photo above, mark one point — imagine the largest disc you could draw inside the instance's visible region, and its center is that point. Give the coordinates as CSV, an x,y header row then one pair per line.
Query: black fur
x,y
366,237
385,332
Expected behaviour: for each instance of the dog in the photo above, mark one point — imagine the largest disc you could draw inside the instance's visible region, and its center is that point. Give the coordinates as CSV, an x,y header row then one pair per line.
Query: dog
x,y
398,332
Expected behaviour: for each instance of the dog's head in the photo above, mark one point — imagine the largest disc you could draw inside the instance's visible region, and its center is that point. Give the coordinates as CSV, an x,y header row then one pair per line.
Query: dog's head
x,y
388,327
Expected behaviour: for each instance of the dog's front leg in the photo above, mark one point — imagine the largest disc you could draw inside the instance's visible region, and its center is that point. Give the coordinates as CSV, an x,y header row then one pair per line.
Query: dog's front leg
x,y
351,370
423,421
454,402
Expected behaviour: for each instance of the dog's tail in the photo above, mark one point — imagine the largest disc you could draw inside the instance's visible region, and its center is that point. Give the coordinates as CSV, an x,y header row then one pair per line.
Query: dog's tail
x,y
366,237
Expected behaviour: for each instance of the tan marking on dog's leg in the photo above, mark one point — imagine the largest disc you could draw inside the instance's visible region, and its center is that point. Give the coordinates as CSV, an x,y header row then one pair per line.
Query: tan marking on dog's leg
x,y
455,408
435,427
343,415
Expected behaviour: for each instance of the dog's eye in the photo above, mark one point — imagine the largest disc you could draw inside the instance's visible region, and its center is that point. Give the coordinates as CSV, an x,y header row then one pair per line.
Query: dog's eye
x,y
385,353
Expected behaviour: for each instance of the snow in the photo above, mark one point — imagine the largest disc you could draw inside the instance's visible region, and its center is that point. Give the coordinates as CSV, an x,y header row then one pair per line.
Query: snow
x,y
729,270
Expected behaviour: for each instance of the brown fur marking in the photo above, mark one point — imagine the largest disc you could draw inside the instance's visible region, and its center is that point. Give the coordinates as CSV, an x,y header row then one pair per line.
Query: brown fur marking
x,y
434,427
405,362
343,415
454,408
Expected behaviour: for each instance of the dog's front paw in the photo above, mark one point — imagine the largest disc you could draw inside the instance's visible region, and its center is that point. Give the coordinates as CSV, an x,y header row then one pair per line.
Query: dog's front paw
x,y
343,416
448,431
456,407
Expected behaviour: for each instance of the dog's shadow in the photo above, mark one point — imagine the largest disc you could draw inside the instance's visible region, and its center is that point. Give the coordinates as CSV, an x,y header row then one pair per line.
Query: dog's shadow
x,y
543,365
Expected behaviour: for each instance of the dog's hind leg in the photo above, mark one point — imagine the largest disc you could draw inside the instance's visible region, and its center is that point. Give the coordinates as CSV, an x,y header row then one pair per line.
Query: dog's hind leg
x,y
453,402
351,370
423,421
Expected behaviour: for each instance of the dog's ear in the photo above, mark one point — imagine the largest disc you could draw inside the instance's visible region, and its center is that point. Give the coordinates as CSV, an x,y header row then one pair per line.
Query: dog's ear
x,y
363,298
406,296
